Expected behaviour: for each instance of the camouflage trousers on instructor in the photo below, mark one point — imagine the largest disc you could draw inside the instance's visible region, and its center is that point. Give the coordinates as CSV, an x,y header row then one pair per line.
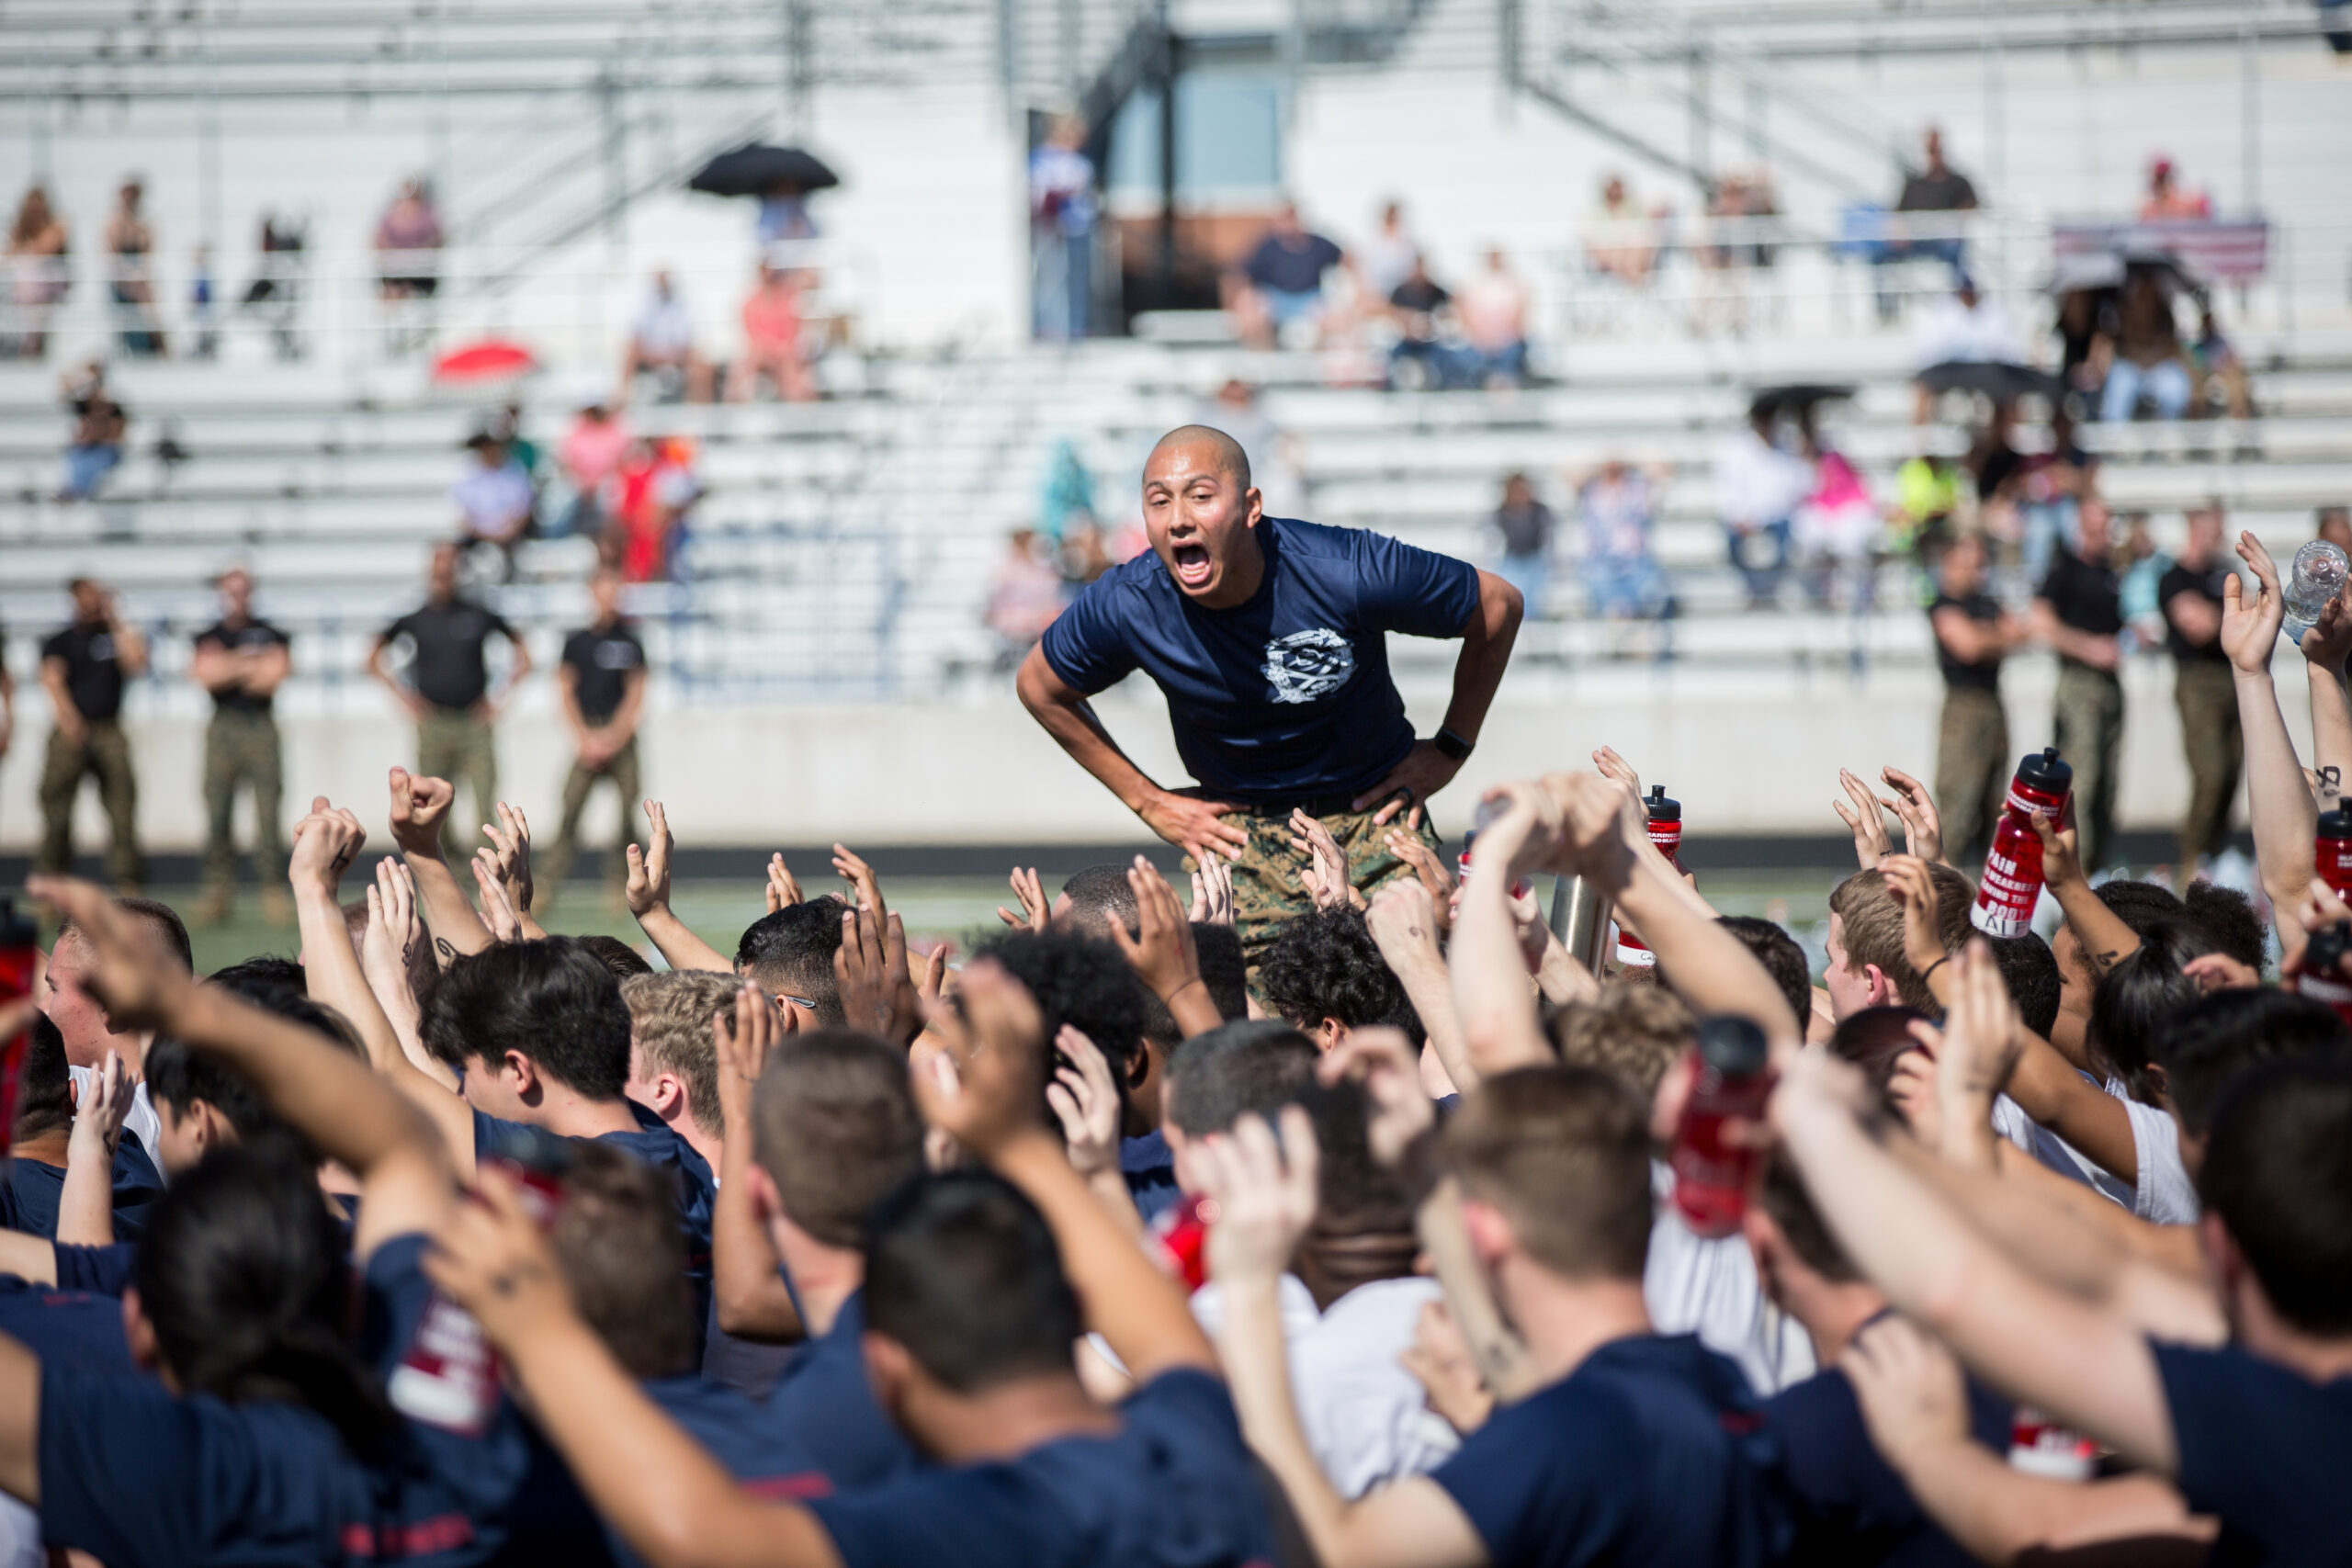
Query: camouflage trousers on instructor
x,y
242,749
1267,890
459,745
104,755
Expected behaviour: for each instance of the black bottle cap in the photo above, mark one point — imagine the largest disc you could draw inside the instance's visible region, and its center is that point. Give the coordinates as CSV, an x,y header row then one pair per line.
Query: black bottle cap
x,y
2335,824
1660,809
2044,772
1732,1045
17,927
2324,954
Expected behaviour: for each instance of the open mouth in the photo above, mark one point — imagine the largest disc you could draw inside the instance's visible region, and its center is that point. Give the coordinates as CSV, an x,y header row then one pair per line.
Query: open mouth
x,y
1193,565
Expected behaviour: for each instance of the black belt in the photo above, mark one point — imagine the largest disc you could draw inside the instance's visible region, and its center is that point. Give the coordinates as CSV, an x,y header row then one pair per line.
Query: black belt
x,y
1316,805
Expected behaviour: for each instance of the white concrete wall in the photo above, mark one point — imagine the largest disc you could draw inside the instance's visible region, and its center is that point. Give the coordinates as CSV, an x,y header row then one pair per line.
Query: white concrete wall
x,y
1758,755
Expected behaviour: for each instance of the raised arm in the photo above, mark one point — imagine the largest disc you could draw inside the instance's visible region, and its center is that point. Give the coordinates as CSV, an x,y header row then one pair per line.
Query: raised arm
x,y
1403,921
1197,827
1161,952
747,1292
393,943
1487,639
1494,999
419,805
2278,803
648,900
85,1207
2327,647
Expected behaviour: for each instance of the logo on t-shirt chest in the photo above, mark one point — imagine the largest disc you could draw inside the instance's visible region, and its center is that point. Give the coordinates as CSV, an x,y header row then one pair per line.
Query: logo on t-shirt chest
x,y
1308,665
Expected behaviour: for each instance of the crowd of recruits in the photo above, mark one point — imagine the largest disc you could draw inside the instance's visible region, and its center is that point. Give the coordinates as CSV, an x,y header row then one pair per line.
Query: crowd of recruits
x,y
240,660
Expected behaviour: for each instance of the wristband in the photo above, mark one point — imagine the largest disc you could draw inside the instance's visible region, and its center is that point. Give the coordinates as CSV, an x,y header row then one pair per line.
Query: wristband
x,y
1933,967
1451,746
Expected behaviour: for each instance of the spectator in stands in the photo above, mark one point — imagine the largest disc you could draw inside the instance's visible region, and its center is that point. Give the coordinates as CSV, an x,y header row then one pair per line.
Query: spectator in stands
x,y
1061,232
83,668
40,271
203,306
1974,635
1936,188
590,457
2203,685
1757,490
2168,199
2220,372
661,344
1734,204
1837,531
601,682
1525,527
447,690
1026,598
655,490
1493,310
2083,323
494,498
275,292
2078,612
240,660
2334,523
408,245
1281,281
1621,239
1616,507
785,218
1962,326
1389,255
1420,357
772,348
2146,358
129,242
95,448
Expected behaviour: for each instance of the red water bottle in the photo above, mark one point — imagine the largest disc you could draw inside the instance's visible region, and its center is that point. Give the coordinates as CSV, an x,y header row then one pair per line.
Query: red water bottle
x,y
2332,850
19,957
1666,832
1712,1176
2038,1446
448,1377
1184,1232
1490,812
2321,972
2012,880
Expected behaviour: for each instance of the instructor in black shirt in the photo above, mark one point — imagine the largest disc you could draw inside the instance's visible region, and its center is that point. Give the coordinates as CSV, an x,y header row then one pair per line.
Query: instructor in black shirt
x,y
83,668
2203,686
241,661
448,687
601,680
1974,635
2078,611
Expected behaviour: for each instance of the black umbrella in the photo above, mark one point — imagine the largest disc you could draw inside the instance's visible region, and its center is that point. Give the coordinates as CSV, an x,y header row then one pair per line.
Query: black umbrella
x,y
1997,380
1800,398
755,169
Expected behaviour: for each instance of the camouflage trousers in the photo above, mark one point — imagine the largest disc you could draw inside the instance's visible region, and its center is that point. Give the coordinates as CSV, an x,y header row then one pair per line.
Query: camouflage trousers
x,y
621,768
104,755
454,744
1267,890
242,749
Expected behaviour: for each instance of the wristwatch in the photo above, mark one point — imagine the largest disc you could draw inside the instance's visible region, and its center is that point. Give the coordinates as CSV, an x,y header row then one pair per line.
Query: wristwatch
x,y
1451,746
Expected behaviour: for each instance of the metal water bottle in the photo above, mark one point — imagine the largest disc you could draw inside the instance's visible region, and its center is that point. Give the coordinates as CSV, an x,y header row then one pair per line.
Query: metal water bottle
x,y
2011,885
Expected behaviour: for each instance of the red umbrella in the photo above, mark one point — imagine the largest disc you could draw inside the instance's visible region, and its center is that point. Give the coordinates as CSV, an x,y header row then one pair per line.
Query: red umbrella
x,y
492,360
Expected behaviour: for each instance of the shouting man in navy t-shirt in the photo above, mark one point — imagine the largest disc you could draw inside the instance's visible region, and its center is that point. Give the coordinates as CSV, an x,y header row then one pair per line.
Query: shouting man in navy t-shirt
x,y
1269,638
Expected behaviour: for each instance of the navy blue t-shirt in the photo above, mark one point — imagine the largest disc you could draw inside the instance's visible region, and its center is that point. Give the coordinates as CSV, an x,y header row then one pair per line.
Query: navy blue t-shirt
x,y
267,1483
1286,696
2264,1449
1172,1488
824,1396
34,1190
1851,1507
72,1328
1651,1451
1150,1167
100,1271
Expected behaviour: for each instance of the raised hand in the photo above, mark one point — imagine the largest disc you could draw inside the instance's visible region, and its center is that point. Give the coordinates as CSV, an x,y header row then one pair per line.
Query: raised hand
x,y
1440,1360
1037,910
139,982
2250,628
877,989
98,1114
1324,875
1199,827
2062,861
743,1036
1618,771
2220,972
1429,869
1913,1085
1161,952
394,935
860,876
510,852
982,1088
1404,923
1384,1062
782,889
1085,1100
1914,887
1923,829
2329,642
1589,823
649,868
419,807
1863,821
1910,1390
1212,891
1260,1188
498,912
325,843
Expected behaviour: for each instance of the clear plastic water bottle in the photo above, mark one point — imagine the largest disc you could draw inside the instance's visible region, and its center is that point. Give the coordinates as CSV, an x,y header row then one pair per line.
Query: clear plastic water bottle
x,y
2318,574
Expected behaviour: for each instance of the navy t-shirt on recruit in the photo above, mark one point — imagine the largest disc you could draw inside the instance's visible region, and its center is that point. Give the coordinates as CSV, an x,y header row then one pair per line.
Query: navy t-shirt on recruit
x,y
1287,696
1651,1451
35,1190
1172,1488
2263,1449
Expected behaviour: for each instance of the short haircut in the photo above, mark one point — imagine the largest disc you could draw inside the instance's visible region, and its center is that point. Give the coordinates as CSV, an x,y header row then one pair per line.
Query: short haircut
x,y
1323,964
1782,957
1634,1031
2144,988
44,1083
670,1018
178,1076
1083,981
834,1124
550,1002
2277,1169
2205,1043
1355,1194
158,915
1564,1153
791,952
283,974
2138,904
2029,970
1225,970
1874,1039
1789,1206
616,1238
1872,918
1099,894
962,1270
2226,917
1254,1066
1230,457
616,955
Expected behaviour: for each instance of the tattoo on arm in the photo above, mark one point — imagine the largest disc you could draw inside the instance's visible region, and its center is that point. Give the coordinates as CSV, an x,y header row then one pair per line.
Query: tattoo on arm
x,y
448,953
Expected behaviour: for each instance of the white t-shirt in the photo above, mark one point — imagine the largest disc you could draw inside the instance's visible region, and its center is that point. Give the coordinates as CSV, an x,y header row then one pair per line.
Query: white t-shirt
x,y
141,1120
2163,1195
1757,483
662,327
2011,1122
1694,1285
1367,1419
1950,331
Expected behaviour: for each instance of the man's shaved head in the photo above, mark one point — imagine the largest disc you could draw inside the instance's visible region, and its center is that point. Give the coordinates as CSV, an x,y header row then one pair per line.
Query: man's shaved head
x,y
1231,458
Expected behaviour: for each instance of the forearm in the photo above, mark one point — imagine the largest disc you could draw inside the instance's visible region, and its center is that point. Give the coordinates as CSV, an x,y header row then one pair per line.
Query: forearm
x,y
2048,1089
2330,720
1710,968
399,1006
678,946
86,1208
331,971
1429,987
1257,1365
750,1295
1501,1356
457,930
2278,803
1996,1513
2106,940
1123,1295
1494,1002
1190,1005
1485,654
